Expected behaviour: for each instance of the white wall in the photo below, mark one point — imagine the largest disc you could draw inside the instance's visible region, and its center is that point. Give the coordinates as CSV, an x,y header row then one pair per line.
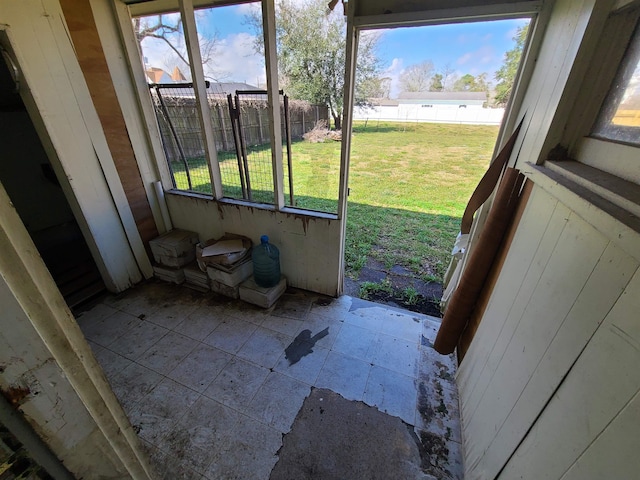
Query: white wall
x,y
473,115
549,387
309,246
59,103
47,367
564,287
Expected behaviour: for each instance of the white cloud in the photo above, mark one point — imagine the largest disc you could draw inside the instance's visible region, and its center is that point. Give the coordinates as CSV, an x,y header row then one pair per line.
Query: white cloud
x,y
237,58
234,59
393,72
476,59
464,58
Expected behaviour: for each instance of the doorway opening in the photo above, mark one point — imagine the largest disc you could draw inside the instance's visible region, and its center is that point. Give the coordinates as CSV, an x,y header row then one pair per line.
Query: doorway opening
x,y
31,183
421,142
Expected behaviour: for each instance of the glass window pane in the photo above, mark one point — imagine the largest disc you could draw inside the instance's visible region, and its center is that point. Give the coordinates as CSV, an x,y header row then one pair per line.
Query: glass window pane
x,y
237,99
165,61
619,118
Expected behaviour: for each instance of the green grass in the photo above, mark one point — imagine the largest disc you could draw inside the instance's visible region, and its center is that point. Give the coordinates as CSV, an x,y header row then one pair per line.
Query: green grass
x,y
409,186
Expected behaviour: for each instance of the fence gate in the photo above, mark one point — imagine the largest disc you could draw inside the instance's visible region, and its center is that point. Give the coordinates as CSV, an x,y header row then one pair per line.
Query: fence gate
x,y
250,129
242,134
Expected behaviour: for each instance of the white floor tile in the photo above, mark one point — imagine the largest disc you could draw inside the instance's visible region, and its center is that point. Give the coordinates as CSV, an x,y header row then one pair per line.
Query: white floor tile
x,y
354,341
307,368
112,363
237,384
198,369
391,393
344,375
370,318
170,316
108,329
230,335
166,353
133,383
138,340
200,433
264,347
285,325
200,323
157,413
278,400
317,322
95,314
403,326
395,354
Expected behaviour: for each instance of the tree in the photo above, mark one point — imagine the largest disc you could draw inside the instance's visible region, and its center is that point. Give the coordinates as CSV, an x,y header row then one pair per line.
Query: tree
x,y
436,83
417,77
168,29
469,83
449,77
311,45
506,74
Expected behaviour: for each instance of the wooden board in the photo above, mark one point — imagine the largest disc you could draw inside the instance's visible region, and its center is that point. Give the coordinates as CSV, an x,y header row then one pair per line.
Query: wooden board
x,y
599,388
88,48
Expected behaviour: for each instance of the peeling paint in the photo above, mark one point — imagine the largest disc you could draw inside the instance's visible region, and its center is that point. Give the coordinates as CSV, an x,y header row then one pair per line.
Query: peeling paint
x,y
16,395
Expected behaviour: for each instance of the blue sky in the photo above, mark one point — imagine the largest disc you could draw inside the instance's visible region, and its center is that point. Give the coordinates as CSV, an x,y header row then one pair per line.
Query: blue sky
x,y
466,48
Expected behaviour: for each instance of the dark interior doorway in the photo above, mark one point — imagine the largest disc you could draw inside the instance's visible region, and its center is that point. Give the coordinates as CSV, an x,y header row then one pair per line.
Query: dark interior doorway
x,y
31,183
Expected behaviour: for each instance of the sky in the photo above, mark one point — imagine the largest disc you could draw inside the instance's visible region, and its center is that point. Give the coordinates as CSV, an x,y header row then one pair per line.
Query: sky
x,y
466,48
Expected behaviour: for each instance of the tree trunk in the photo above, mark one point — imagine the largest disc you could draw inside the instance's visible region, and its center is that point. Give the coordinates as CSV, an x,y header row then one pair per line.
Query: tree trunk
x,y
337,121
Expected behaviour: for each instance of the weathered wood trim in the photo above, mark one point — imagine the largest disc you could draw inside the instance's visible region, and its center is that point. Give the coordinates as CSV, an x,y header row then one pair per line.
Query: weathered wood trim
x,y
90,55
494,274
273,95
200,90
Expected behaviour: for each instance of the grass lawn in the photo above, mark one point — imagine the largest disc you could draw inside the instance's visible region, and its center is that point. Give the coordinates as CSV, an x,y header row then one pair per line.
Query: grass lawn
x,y
409,186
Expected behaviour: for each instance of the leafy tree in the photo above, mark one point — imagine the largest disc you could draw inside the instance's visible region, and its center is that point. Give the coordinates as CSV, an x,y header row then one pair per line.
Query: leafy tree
x,y
436,83
469,83
417,77
506,74
311,54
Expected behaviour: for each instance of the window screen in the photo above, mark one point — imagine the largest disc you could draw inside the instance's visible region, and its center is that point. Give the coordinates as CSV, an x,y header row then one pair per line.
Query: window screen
x,y
619,118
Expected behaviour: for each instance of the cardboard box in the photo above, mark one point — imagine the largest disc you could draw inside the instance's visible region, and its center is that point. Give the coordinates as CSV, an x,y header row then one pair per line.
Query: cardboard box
x,y
195,277
231,276
225,260
222,289
175,248
263,297
168,274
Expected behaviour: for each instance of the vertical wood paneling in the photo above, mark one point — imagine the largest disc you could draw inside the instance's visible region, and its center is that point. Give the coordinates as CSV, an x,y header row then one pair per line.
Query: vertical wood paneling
x,y
520,277
59,106
542,375
600,385
518,260
614,454
84,34
530,327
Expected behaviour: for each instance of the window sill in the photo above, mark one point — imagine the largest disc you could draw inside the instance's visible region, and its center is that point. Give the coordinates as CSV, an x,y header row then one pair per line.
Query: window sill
x,y
258,206
609,203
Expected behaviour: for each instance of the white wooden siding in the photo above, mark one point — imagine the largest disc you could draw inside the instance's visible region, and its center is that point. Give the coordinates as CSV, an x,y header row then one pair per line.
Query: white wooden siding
x,y
65,118
599,398
560,279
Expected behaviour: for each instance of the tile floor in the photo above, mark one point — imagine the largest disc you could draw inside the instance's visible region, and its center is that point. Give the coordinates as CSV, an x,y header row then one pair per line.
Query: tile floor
x,y
205,382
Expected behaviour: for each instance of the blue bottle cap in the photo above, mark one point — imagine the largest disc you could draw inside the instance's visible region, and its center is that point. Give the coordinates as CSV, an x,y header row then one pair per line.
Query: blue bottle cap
x,y
264,239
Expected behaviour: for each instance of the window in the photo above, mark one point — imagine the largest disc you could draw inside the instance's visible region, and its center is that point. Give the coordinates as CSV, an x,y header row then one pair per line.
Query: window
x,y
237,120
619,118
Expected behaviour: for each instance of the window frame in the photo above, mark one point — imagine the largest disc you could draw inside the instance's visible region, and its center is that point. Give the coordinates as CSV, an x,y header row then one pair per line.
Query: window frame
x,y
186,9
584,145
